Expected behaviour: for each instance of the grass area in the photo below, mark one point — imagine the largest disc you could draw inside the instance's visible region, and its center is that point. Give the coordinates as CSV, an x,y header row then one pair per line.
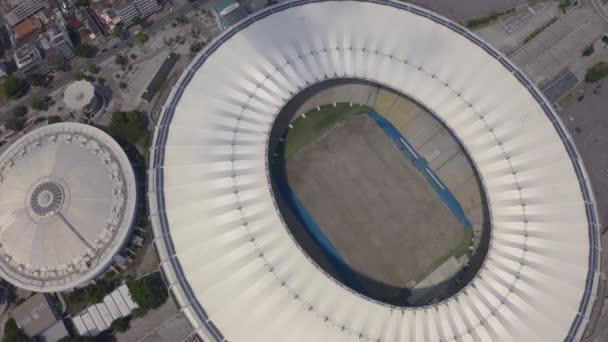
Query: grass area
x,y
461,249
573,93
316,124
477,23
539,30
597,72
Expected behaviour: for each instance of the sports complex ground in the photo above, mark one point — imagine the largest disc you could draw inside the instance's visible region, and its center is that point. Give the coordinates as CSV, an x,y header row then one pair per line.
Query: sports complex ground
x,y
372,205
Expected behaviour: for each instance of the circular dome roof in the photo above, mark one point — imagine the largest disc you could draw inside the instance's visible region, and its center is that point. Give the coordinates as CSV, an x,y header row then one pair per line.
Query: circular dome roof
x,y
68,200
79,94
224,248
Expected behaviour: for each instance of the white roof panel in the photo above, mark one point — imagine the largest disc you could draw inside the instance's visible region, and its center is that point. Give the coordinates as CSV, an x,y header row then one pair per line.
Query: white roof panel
x,y
517,143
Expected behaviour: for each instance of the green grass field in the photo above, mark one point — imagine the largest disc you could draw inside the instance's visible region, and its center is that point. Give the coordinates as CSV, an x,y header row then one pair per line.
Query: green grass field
x,y
316,124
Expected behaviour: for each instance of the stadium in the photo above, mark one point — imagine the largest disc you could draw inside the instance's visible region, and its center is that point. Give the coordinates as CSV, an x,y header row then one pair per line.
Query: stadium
x,y
228,247
68,202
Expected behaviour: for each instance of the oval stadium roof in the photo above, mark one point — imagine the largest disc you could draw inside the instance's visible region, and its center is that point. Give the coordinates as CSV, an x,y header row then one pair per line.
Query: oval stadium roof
x,y
231,262
68,200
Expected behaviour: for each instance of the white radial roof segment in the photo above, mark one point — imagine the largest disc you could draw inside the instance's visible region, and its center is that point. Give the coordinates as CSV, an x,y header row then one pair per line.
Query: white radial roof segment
x,y
67,202
79,94
233,265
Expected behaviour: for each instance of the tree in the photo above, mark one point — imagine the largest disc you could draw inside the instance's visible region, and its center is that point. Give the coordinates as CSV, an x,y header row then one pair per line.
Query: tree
x,y
136,21
122,85
121,324
596,72
19,111
149,292
37,80
196,47
85,51
95,293
38,104
13,87
588,50
101,80
61,66
128,126
12,333
118,31
94,69
79,76
14,124
53,119
141,37
120,59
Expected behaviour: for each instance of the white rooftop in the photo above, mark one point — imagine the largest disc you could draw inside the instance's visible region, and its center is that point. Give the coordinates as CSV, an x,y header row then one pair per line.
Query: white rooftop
x,y
79,94
231,262
67,195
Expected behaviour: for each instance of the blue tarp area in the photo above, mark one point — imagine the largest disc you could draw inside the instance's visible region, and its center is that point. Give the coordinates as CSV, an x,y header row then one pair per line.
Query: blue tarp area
x,y
345,272
421,164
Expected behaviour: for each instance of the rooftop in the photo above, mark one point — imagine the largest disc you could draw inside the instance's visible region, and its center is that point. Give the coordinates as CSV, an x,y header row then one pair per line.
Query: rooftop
x,y
68,194
35,315
229,12
27,27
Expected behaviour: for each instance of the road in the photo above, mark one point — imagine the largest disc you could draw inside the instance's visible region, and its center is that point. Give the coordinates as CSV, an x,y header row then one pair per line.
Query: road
x,y
114,46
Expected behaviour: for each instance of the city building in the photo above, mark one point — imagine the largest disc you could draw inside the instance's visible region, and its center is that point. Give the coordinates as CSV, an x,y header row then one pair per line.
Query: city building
x,y
128,10
16,11
99,317
27,27
60,40
231,262
160,77
36,314
69,198
94,24
27,55
228,13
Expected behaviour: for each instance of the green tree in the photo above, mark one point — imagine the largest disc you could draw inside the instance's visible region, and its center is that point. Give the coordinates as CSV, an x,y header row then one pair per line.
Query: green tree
x,y
85,51
19,111
79,76
128,126
53,119
14,124
196,47
13,87
118,31
37,80
149,292
39,104
12,333
120,59
61,66
94,69
141,37
122,85
95,293
596,72
121,324
588,50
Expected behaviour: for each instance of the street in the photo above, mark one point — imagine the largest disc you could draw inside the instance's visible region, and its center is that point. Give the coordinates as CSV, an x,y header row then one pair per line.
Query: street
x,y
114,46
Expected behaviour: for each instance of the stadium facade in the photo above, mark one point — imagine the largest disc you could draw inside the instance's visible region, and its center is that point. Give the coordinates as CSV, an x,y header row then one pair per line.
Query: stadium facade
x,y
226,253
68,199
